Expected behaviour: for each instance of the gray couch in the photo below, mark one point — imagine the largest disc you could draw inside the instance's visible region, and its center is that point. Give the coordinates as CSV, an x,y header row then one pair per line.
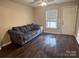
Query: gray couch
x,y
23,34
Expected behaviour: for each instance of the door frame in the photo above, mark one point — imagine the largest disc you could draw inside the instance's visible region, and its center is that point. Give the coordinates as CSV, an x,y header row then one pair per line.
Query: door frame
x,y
58,30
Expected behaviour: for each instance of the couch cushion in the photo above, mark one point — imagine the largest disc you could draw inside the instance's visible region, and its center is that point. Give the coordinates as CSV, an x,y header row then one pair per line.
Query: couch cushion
x,y
16,28
23,29
31,26
27,36
33,32
28,28
36,27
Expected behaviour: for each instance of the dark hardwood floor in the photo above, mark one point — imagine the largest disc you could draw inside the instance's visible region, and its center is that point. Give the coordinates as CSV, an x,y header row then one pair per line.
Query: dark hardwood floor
x,y
43,46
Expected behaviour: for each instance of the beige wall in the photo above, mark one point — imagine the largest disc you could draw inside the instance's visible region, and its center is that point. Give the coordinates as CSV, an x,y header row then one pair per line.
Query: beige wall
x,y
40,16
13,14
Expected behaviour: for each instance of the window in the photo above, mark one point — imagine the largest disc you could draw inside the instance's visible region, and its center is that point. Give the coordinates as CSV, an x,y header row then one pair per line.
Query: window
x,y
51,18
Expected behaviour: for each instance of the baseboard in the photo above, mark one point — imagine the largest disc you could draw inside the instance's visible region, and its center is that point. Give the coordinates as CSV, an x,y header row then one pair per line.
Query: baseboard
x,y
52,32
59,33
6,44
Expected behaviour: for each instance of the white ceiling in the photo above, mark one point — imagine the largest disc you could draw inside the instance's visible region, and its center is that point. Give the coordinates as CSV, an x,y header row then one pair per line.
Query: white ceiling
x,y
36,2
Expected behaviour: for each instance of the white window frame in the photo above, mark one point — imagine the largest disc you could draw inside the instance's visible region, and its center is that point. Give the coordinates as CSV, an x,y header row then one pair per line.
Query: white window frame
x,y
55,18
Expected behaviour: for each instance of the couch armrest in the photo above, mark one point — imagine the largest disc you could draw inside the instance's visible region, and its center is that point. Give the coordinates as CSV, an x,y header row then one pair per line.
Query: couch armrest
x,y
16,37
41,28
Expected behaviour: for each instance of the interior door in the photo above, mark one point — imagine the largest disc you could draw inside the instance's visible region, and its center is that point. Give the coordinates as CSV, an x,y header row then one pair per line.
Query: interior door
x,y
69,20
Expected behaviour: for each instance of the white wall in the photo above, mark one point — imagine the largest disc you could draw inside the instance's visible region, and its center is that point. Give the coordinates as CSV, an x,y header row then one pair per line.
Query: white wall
x,y
11,15
69,19
77,28
40,17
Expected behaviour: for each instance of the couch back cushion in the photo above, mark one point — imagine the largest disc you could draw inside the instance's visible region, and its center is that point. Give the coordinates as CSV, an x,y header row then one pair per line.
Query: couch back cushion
x,y
31,26
23,29
26,28
16,28
36,27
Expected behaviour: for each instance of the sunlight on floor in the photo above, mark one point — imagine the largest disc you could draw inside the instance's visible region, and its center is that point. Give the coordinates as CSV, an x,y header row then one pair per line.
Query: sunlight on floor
x,y
51,41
